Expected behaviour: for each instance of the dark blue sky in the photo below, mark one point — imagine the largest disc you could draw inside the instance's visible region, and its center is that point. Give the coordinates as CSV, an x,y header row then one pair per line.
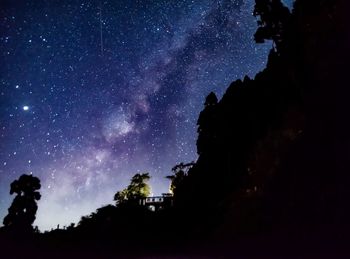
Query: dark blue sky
x,y
92,92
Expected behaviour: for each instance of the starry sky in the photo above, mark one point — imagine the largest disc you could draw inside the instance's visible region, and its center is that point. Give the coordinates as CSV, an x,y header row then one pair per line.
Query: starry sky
x,y
92,92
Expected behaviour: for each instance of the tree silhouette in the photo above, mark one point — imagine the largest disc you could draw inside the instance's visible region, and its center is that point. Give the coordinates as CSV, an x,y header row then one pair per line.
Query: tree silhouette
x,y
270,161
21,213
274,17
180,172
120,197
138,188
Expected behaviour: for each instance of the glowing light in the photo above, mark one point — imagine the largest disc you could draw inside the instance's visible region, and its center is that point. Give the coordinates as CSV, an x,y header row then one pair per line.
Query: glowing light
x,y
25,108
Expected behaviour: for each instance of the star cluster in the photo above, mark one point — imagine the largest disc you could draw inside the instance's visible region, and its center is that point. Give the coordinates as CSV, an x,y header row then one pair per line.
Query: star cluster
x,y
92,92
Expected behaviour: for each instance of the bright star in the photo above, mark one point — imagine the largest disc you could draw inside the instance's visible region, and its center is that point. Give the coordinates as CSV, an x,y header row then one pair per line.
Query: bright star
x,y
25,108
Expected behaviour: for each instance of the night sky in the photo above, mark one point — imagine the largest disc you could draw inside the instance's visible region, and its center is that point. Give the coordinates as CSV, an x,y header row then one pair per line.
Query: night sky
x,y
92,92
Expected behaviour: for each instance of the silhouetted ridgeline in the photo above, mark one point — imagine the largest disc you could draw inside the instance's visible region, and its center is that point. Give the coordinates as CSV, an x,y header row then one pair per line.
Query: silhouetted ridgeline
x,y
273,157
274,151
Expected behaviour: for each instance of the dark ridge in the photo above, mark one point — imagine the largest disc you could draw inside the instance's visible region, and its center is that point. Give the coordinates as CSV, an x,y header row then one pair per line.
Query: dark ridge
x,y
272,177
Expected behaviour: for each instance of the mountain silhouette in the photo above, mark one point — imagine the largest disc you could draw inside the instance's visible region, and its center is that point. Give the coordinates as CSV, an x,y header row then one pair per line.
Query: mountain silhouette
x,y
273,164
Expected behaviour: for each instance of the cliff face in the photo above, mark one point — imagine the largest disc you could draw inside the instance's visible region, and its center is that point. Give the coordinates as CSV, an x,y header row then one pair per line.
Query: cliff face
x,y
282,138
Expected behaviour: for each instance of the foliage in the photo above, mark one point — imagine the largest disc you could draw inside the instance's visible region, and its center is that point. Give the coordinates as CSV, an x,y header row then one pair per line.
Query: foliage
x,y
23,208
265,130
274,17
138,188
179,173
120,197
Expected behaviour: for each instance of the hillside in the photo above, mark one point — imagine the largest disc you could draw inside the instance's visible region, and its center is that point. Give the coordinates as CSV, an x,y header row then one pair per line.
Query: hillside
x,y
273,158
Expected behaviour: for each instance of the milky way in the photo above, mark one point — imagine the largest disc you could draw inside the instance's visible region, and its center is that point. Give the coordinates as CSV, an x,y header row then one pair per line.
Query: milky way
x,y
95,91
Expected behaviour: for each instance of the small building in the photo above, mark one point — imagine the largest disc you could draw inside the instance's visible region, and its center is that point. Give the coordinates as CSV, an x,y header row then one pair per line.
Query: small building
x,y
156,203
